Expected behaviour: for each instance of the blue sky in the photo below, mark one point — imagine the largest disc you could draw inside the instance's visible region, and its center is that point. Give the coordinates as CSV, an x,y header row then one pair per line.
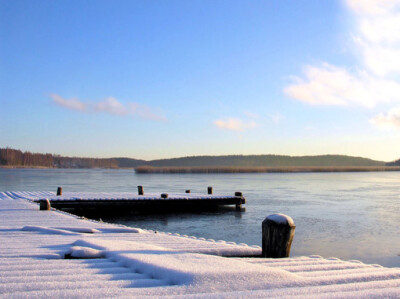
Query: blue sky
x,y
159,79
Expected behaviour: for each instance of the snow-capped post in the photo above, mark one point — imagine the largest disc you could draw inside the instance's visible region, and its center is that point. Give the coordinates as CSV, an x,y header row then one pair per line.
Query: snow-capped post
x,y
140,190
45,205
187,191
209,190
277,235
59,191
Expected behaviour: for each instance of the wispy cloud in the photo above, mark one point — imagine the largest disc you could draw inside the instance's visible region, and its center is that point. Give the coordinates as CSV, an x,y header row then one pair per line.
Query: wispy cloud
x,y
375,80
390,120
110,105
73,104
235,124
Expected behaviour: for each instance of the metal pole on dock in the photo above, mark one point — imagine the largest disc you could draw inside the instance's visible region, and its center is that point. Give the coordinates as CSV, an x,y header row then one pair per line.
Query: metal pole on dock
x,y
209,190
59,191
277,235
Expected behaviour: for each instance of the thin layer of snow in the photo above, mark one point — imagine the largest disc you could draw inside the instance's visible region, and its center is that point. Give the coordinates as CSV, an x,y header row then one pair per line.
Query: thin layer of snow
x,y
102,196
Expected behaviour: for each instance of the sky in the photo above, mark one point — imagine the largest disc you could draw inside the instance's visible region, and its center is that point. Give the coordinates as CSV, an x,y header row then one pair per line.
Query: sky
x,y
152,79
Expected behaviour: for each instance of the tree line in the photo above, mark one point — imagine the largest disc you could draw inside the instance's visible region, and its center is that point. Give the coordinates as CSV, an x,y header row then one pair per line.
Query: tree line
x,y
16,158
13,157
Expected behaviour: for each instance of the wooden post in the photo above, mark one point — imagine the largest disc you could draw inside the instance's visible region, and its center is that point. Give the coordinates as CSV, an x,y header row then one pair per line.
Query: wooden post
x,y
140,190
277,235
45,205
239,205
187,191
209,190
164,195
59,191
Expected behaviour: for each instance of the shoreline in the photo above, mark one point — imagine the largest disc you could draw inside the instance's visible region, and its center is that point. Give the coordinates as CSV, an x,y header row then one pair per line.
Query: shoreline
x,y
289,169
231,169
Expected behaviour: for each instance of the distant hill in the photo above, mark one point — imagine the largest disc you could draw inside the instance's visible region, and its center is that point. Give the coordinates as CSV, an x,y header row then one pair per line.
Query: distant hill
x,y
16,158
265,161
129,163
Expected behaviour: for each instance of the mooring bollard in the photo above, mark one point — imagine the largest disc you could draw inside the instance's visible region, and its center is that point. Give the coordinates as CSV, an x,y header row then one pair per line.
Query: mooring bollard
x,y
45,205
164,195
187,191
209,190
140,190
59,191
277,235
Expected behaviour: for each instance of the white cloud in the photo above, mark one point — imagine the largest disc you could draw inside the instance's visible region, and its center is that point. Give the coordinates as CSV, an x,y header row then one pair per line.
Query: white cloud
x,y
390,120
73,104
331,85
235,124
375,79
371,7
378,35
111,106
381,29
382,61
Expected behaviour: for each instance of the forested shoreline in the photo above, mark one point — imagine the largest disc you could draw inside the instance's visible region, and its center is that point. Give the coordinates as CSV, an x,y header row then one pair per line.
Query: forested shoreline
x,y
16,158
10,158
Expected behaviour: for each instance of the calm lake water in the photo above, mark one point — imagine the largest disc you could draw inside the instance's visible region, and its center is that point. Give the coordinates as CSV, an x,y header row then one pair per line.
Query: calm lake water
x,y
345,215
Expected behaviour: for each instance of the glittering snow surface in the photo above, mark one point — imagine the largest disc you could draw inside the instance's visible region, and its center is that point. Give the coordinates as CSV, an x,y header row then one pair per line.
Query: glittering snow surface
x,y
55,254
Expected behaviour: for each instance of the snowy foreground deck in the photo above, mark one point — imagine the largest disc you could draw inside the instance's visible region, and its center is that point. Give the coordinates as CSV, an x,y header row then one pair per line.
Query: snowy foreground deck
x,y
130,202
137,263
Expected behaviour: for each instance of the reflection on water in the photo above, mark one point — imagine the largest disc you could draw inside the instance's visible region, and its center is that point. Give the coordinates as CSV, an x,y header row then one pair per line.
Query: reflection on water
x,y
346,215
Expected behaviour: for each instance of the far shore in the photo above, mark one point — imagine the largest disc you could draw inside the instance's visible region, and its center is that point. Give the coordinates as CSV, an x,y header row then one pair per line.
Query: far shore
x,y
232,169
288,169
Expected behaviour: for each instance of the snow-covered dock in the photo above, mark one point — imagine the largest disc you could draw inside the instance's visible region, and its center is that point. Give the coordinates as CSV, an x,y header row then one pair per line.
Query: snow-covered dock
x,y
107,260
130,202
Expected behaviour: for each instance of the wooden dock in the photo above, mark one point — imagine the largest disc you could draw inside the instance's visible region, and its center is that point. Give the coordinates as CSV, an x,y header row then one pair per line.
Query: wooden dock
x,y
115,261
130,202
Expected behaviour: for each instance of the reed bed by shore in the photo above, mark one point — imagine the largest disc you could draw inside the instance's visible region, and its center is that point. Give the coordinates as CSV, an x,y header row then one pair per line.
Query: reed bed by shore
x,y
230,169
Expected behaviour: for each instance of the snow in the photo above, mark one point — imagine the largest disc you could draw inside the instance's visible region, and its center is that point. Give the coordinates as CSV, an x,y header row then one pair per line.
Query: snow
x,y
117,261
281,219
84,253
47,230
